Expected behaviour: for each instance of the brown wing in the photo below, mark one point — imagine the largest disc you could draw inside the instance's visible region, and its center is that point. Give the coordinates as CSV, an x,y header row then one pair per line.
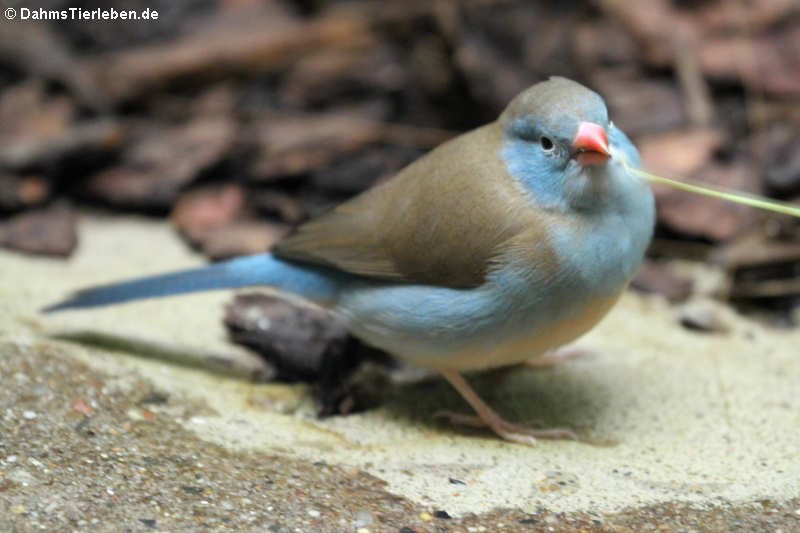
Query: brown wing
x,y
439,221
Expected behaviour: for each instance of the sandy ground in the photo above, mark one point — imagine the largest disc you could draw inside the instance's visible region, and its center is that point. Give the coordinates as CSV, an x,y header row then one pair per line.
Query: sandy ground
x,y
679,430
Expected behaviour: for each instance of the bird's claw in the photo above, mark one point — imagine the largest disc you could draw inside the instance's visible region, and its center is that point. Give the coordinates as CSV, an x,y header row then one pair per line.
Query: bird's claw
x,y
522,433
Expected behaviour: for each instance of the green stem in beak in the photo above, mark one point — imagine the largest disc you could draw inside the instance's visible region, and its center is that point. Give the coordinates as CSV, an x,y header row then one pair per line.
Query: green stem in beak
x,y
716,192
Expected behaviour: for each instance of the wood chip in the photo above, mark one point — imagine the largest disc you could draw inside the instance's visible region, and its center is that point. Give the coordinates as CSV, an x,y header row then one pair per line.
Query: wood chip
x,y
48,231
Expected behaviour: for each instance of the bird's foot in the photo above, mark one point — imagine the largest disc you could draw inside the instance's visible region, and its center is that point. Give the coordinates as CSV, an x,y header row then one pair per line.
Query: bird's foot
x,y
522,433
555,357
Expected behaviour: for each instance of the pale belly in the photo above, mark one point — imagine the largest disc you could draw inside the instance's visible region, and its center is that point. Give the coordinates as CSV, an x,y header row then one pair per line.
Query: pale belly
x,y
523,346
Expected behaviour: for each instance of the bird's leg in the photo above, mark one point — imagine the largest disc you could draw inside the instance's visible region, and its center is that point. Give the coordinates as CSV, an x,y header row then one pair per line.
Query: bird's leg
x,y
489,417
551,358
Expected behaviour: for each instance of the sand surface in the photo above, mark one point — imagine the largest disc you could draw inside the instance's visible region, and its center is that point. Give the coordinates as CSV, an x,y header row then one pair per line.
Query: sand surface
x,y
665,415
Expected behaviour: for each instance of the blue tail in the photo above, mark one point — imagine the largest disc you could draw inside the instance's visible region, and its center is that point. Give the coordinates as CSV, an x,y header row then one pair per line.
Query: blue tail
x,y
316,284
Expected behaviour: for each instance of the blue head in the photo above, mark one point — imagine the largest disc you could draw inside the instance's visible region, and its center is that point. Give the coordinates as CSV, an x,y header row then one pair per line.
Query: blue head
x,y
556,142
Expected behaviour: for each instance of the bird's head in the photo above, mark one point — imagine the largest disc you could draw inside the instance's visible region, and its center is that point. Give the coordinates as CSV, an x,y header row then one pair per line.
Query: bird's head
x,y
556,140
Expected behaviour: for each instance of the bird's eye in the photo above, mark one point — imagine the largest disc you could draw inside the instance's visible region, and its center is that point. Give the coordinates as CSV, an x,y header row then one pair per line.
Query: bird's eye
x,y
546,143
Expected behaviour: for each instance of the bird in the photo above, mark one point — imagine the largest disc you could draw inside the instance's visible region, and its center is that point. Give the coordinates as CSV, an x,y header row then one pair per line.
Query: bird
x,y
495,247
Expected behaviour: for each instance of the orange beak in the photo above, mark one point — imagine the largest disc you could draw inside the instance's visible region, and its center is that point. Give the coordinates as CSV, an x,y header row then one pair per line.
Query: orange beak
x,y
590,144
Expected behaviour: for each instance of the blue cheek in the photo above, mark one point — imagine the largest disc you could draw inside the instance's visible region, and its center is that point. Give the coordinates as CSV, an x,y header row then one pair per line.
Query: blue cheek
x,y
528,165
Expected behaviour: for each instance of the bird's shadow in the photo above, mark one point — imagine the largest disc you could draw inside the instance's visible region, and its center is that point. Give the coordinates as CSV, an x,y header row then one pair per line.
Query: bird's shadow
x,y
560,397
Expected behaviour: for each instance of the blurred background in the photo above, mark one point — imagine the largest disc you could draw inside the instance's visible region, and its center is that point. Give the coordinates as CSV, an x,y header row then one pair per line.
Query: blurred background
x,y
237,119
